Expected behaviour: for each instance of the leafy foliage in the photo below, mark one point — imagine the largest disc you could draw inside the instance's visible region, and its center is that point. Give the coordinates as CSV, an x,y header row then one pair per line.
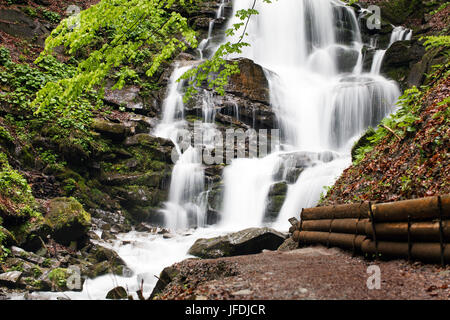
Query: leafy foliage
x,y
216,71
15,192
108,36
401,122
20,82
442,42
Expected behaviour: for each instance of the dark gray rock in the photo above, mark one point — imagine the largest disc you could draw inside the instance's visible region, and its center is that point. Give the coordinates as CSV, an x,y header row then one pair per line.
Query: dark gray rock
x,y
10,279
16,23
117,293
127,97
248,241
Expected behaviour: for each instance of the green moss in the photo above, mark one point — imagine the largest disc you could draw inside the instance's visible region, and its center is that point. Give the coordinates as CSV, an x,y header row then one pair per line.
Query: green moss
x,y
5,135
64,211
59,277
18,198
37,272
47,263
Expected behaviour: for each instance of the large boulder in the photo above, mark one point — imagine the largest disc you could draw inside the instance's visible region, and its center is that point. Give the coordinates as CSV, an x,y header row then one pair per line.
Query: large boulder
x,y
127,97
10,279
246,102
248,241
275,200
250,83
112,129
118,293
18,24
67,220
408,62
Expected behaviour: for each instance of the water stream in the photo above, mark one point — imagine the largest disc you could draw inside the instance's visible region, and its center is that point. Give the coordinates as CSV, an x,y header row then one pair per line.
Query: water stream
x,y
312,53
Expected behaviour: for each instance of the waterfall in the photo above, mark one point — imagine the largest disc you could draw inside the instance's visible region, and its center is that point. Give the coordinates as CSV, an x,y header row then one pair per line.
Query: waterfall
x,y
311,51
206,42
312,54
187,203
185,206
398,34
322,99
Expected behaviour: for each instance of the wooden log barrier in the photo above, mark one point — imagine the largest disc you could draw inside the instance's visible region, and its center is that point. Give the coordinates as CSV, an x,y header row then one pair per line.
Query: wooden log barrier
x,y
413,229
428,252
417,209
344,211
423,231
340,240
351,226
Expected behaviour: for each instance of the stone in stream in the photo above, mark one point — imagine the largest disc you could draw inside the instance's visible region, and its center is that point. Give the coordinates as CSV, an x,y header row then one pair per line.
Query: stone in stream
x,y
248,241
10,279
117,293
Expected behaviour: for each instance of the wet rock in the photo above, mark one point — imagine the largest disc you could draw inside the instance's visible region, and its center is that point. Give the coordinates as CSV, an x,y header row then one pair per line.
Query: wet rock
x,y
117,293
160,148
248,241
102,268
143,124
106,235
10,279
273,208
28,256
247,98
16,23
144,139
67,220
278,189
166,276
143,227
127,97
99,254
250,83
407,62
113,130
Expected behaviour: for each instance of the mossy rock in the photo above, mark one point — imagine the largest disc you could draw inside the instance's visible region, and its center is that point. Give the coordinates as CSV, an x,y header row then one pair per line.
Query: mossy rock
x,y
67,220
278,189
58,278
111,129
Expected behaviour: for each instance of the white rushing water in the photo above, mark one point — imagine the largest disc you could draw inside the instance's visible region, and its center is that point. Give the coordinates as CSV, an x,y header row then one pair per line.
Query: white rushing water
x,y
398,34
322,98
323,101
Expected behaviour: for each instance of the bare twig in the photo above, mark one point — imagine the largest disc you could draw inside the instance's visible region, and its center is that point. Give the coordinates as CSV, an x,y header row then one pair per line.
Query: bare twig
x,y
246,24
391,131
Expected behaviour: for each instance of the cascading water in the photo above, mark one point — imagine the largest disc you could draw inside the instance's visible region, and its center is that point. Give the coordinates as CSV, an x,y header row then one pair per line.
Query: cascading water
x,y
206,42
398,34
323,101
322,98
186,206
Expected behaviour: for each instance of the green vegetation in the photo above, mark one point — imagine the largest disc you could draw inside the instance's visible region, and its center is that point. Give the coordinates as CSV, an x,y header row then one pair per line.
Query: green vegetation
x,y
59,277
216,71
398,124
64,124
106,39
403,121
17,197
